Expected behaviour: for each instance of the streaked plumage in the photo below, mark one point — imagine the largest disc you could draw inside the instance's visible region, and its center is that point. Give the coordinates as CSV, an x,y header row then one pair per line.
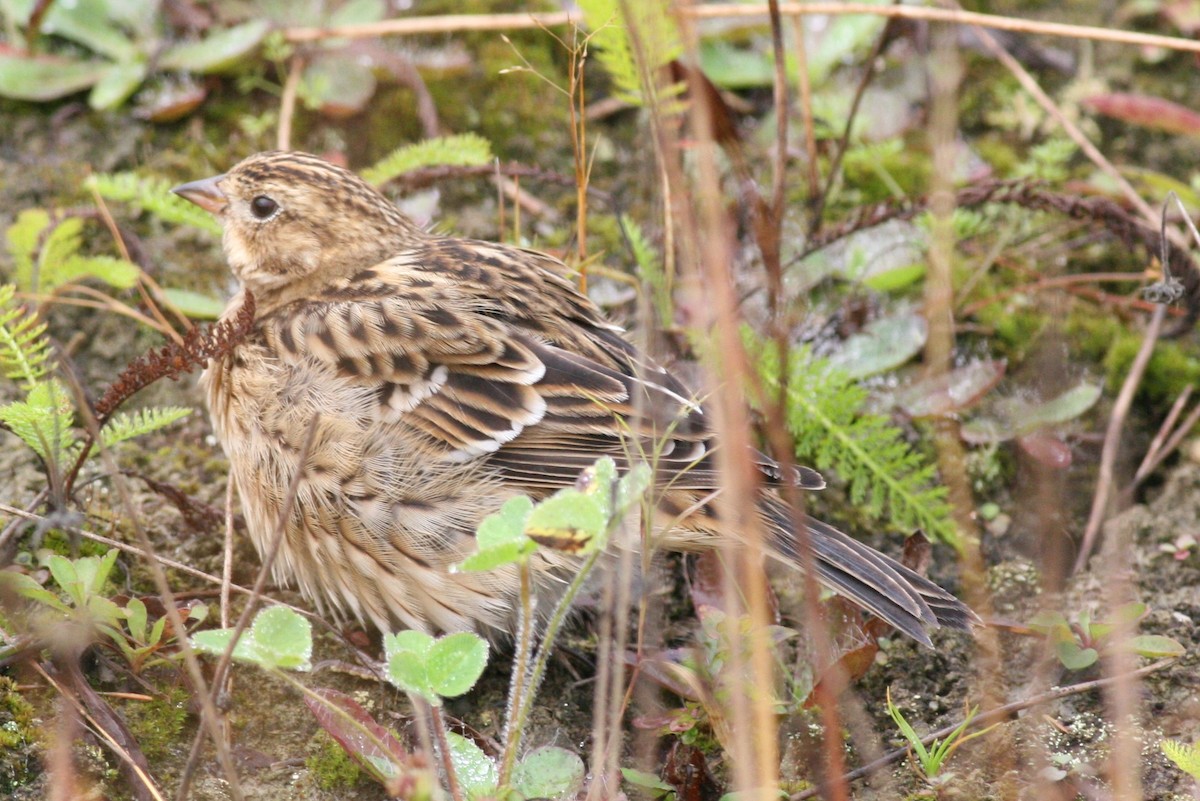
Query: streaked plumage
x,y
448,375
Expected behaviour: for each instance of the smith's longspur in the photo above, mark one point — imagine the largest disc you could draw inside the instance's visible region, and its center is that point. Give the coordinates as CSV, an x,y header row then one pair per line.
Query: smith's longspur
x,y
447,375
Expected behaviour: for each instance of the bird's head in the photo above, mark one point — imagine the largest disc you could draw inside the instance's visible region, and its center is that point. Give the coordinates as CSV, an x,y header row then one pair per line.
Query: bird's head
x,y
288,216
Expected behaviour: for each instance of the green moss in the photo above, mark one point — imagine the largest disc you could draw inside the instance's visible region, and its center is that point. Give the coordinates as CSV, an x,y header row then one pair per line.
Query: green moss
x,y
1171,368
1092,335
64,544
19,764
157,724
329,764
1016,325
877,172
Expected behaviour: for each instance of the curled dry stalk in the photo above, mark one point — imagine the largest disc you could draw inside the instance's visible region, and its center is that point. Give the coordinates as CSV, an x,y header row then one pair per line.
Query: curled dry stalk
x,y
169,361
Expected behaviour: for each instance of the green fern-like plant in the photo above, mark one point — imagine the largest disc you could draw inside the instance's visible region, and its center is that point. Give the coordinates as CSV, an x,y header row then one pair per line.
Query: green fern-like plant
x,y
462,150
1186,757
45,252
658,42
826,414
124,426
651,268
152,195
24,350
45,419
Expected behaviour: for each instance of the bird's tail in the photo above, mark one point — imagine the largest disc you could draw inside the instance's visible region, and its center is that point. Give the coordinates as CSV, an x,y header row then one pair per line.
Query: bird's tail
x,y
876,582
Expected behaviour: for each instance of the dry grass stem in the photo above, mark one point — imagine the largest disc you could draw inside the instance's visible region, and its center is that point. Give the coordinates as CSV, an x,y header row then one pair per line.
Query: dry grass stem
x,y
461,23
287,102
1112,438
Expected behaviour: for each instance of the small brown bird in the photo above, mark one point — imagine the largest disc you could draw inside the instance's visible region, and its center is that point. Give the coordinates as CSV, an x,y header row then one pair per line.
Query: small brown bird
x,y
447,375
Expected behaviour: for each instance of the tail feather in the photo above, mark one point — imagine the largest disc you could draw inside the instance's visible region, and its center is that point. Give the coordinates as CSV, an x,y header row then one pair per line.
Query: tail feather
x,y
879,584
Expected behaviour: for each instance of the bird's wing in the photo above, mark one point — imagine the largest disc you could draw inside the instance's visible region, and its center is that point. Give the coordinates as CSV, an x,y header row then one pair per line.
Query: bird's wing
x,y
476,351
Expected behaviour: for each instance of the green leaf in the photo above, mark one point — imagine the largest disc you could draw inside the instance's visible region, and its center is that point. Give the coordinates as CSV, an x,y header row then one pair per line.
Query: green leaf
x,y
455,662
650,268
658,44
194,304
407,655
117,84
631,488
26,587
1019,417
842,40
23,239
62,570
1186,757
284,636
476,773
278,638
1067,406
40,79
896,279
549,772
501,537
462,150
358,12
46,254
883,345
337,84
648,781
135,618
217,51
1074,657
732,67
90,23
445,667
1156,646
570,521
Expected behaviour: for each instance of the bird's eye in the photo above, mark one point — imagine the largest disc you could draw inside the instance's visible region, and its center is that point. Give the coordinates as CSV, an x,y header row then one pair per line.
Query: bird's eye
x,y
263,207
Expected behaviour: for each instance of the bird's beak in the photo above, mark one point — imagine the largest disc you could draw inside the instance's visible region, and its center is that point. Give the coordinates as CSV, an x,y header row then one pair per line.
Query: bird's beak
x,y
204,193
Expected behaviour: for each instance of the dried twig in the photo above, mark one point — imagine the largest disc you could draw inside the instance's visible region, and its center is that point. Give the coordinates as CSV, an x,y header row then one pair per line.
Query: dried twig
x,y
458,23
287,102
1112,438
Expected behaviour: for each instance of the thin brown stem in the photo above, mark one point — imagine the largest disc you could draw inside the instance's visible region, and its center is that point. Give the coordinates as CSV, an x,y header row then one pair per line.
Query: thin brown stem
x,y
287,102
843,145
1112,438
443,742
806,112
227,560
459,23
